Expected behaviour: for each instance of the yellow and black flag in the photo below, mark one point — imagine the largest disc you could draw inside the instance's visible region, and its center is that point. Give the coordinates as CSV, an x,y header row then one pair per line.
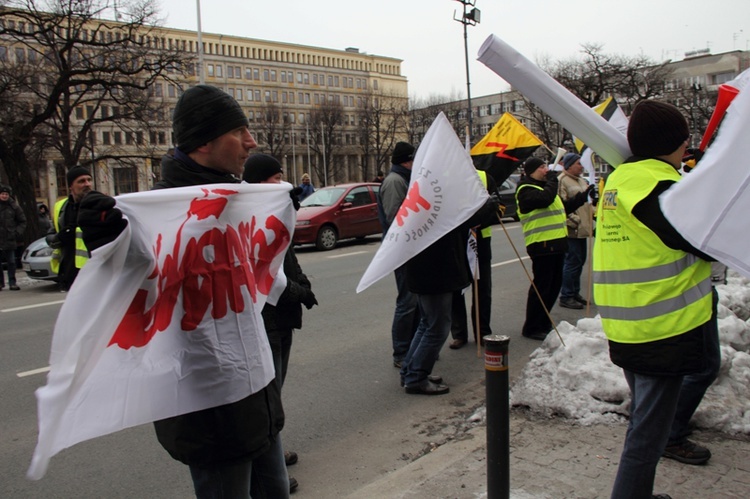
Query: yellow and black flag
x,y
500,151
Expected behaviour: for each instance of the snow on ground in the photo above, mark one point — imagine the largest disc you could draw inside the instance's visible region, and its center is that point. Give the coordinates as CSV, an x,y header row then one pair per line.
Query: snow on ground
x,y
579,382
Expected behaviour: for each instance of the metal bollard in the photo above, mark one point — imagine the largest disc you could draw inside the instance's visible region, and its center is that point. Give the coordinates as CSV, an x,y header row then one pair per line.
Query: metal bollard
x,y
498,416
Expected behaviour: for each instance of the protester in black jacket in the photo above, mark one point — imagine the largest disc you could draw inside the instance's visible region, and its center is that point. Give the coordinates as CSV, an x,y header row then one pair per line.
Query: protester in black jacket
x,y
233,449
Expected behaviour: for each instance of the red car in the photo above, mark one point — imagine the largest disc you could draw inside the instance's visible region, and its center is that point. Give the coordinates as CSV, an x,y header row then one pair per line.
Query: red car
x,y
338,212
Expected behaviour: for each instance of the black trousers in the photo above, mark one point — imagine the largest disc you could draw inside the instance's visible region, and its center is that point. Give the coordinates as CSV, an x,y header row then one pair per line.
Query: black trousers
x,y
547,271
459,328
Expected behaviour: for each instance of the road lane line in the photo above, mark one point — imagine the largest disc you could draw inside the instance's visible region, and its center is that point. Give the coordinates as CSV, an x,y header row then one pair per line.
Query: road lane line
x,y
348,254
33,372
506,262
28,307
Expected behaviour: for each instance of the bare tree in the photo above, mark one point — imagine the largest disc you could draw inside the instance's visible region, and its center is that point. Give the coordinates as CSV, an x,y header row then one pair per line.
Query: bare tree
x,y
424,111
382,120
68,71
326,121
697,104
272,129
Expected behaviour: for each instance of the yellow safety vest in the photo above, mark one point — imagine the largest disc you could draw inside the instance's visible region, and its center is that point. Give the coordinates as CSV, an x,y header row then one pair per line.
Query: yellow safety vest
x,y
487,231
543,224
82,254
644,290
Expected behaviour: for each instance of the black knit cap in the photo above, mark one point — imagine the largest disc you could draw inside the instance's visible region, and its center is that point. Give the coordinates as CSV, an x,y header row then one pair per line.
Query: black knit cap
x,y
260,167
202,114
75,172
531,164
402,153
5,188
656,129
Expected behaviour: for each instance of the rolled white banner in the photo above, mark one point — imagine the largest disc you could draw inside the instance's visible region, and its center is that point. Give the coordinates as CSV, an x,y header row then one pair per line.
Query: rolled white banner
x,y
555,100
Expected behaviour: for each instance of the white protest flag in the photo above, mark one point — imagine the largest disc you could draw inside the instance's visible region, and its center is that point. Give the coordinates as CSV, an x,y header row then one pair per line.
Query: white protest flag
x,y
555,100
710,205
444,192
165,320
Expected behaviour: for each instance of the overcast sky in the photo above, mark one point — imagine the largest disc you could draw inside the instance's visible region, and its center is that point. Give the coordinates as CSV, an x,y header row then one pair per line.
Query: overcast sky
x,y
424,34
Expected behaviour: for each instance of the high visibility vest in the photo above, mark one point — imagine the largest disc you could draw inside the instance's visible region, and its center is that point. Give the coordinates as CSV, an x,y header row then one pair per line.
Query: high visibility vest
x,y
487,231
543,224
82,254
644,290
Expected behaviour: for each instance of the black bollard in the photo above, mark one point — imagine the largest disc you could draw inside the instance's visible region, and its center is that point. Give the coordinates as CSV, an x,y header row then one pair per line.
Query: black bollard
x,y
498,416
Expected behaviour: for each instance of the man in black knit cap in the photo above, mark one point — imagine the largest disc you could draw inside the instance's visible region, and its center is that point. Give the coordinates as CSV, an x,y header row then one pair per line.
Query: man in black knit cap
x,y
653,291
232,450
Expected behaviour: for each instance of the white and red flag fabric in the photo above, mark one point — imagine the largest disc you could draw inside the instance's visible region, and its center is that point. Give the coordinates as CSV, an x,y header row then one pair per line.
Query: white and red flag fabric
x,y
444,192
165,320
710,205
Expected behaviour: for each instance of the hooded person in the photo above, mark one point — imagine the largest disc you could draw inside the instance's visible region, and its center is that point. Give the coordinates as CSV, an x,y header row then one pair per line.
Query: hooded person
x,y
658,308
305,188
12,227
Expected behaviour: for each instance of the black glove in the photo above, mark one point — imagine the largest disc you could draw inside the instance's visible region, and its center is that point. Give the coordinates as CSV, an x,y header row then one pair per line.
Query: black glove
x,y
692,156
67,235
294,194
99,220
551,175
308,299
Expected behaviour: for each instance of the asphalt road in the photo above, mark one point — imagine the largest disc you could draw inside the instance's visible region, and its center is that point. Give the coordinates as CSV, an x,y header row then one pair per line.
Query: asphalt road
x,y
347,417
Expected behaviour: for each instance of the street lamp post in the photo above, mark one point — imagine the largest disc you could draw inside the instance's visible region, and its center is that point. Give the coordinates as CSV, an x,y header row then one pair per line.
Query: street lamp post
x,y
470,18
201,73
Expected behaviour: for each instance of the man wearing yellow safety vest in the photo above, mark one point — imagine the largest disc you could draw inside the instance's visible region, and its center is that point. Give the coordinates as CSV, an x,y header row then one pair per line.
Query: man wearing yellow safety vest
x,y
481,295
658,308
65,237
543,215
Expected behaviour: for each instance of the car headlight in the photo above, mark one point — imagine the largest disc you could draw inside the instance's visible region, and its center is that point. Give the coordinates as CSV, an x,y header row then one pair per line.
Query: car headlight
x,y
43,252
303,222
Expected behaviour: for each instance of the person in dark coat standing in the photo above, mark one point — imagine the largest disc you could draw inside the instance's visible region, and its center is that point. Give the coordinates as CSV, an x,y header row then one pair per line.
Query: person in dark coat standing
x,y
12,227
543,215
283,318
232,450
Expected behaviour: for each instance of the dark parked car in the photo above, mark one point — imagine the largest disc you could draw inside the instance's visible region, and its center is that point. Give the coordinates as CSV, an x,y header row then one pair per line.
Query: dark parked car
x,y
338,212
508,197
36,261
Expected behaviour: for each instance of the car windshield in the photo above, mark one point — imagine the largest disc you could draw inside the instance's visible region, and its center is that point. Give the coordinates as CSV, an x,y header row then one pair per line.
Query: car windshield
x,y
323,197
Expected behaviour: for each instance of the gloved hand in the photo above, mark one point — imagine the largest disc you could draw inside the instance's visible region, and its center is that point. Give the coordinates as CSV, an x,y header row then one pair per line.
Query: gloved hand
x,y
66,235
294,194
308,299
99,220
551,175
692,156
593,194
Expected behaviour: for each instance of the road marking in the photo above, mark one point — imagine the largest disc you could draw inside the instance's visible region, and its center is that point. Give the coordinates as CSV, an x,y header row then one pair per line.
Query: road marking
x,y
348,254
27,307
33,372
506,262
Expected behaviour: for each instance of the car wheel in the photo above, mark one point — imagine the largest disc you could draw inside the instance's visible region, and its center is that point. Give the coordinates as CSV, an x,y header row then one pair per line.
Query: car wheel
x,y
327,238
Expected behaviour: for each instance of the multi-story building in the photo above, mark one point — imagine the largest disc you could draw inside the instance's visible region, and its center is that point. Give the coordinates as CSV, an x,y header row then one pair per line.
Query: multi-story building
x,y
291,80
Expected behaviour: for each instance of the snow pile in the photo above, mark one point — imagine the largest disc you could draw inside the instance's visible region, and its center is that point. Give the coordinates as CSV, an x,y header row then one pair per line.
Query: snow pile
x,y
578,381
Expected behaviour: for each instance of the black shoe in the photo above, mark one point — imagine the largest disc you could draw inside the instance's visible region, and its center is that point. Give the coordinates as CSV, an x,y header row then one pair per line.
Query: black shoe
x,y
687,452
661,496
540,335
13,287
580,299
397,363
456,344
293,484
290,457
570,303
427,388
435,378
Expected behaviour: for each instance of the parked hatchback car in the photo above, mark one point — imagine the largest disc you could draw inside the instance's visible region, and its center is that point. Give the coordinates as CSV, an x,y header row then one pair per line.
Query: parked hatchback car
x,y
338,212
36,261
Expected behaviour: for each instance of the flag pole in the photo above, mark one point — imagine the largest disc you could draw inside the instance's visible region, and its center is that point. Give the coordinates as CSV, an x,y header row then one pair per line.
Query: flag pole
x,y
526,271
589,245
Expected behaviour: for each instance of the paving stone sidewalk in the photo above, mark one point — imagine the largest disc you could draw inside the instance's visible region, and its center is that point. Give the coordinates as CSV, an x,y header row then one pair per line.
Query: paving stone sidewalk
x,y
553,458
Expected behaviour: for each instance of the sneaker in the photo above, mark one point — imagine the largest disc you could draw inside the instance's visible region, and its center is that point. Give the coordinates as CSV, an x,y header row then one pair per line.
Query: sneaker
x,y
570,303
687,452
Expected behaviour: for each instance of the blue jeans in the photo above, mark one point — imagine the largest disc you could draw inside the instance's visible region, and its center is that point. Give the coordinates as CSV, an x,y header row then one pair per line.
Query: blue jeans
x,y
652,409
10,259
694,386
575,258
434,328
404,317
264,477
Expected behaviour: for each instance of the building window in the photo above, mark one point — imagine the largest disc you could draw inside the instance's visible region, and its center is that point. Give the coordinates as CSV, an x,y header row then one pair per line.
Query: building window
x,y
283,77
330,80
251,116
171,90
219,72
273,75
118,137
315,79
266,75
256,74
248,73
230,72
250,94
129,138
257,95
210,69
126,180
239,94
375,84
267,96
105,139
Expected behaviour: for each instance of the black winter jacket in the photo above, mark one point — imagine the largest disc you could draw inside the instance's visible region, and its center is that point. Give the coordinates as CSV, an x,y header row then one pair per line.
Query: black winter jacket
x,y
233,432
287,313
12,224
